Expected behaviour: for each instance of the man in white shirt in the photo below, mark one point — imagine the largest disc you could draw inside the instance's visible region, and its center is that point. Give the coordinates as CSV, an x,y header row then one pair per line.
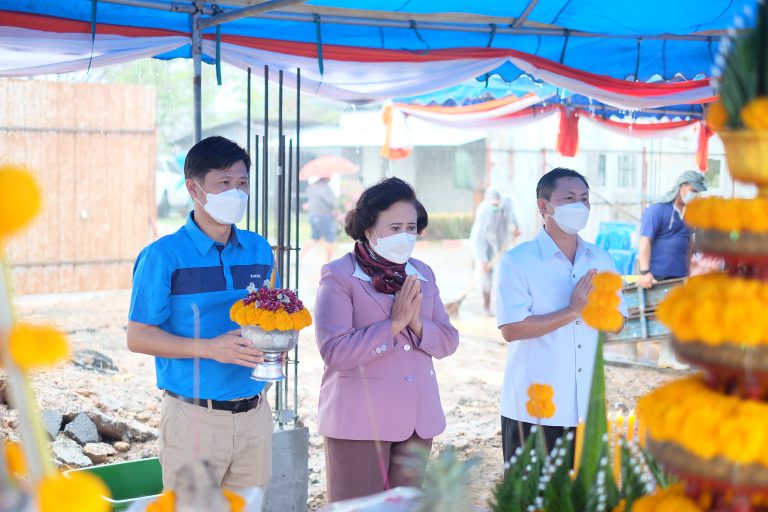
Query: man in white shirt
x,y
543,286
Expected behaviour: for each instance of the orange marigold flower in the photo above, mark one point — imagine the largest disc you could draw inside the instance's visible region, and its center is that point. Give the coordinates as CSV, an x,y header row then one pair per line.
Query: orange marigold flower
x,y
80,491
14,457
755,114
283,320
35,346
166,502
607,282
605,300
252,316
541,392
540,404
236,502
236,307
267,321
20,199
717,116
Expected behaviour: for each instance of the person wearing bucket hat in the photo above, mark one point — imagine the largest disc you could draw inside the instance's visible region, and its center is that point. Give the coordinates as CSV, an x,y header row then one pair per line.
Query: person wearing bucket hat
x,y
665,240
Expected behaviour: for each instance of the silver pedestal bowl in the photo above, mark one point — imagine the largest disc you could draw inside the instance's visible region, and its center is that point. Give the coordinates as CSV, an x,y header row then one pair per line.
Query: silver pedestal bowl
x,y
273,344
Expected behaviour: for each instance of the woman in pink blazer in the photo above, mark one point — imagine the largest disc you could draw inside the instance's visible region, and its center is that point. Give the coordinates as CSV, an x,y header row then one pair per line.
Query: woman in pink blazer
x,y
379,322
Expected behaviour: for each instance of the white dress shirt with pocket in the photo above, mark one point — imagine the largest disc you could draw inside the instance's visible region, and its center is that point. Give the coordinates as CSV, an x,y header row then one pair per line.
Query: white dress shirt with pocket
x,y
536,278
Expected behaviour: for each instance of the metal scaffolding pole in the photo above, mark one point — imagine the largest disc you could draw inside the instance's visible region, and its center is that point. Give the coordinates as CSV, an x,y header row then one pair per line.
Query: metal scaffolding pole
x,y
247,12
197,64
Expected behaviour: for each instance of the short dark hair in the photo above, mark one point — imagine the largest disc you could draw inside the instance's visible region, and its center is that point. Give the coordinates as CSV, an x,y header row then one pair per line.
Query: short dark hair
x,y
378,198
548,182
213,153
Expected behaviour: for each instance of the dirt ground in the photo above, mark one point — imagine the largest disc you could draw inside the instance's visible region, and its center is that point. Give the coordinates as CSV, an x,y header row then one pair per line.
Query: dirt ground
x,y
470,379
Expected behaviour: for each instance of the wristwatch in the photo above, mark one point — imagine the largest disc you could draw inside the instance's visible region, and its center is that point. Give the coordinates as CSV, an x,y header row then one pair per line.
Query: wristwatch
x,y
643,272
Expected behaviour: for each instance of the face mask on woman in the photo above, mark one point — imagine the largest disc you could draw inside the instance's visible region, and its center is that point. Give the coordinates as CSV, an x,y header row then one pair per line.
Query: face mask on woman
x,y
395,248
226,207
571,217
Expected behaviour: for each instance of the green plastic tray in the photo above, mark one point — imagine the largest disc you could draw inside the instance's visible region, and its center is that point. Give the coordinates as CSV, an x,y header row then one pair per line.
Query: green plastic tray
x,y
129,481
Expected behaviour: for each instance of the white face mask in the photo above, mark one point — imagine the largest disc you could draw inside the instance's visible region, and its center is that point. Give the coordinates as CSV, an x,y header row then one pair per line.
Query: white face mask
x,y
689,196
226,207
570,217
395,248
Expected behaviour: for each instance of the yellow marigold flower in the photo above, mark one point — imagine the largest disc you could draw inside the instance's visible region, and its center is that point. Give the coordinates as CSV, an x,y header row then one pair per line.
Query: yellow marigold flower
x,y
80,491
283,320
602,319
267,321
605,300
236,307
20,199
236,502
540,404
741,443
14,457
607,282
621,507
717,116
34,346
678,504
251,316
301,319
541,392
755,114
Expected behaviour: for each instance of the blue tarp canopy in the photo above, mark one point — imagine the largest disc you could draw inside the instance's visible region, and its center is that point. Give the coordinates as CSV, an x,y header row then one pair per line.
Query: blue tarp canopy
x,y
653,40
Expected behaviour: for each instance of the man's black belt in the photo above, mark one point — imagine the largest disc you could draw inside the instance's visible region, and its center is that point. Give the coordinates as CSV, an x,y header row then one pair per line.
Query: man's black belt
x,y
233,406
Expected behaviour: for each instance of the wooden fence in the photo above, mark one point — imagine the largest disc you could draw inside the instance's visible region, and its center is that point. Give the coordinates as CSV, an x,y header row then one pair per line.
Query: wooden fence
x,y
92,147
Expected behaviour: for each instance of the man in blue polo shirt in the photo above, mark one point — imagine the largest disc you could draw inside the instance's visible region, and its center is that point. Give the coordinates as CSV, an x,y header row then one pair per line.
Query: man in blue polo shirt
x,y
183,287
665,240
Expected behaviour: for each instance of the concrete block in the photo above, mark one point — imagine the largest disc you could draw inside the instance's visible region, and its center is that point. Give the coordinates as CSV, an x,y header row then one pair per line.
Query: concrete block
x,y
289,488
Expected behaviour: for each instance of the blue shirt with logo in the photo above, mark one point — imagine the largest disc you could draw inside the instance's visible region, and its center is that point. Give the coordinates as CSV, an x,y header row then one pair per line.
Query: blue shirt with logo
x,y
670,239
184,282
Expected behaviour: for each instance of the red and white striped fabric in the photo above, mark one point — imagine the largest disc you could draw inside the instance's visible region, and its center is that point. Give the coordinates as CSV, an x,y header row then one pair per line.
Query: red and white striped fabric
x,y
514,112
647,130
34,44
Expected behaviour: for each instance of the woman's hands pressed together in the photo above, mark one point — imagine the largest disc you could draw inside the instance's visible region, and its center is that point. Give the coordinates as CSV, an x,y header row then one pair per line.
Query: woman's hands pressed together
x,y
405,310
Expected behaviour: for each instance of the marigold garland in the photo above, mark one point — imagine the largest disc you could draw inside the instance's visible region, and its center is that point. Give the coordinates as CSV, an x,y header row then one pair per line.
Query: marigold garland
x,y
79,491
717,309
35,346
722,214
706,423
540,404
20,198
601,311
166,502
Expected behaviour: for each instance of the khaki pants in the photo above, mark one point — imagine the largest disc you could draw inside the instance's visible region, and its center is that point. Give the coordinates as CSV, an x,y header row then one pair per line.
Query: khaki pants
x,y
238,446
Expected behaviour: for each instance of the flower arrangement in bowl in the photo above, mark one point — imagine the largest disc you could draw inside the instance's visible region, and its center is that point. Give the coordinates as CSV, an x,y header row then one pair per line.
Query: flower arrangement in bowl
x,y
740,116
271,318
